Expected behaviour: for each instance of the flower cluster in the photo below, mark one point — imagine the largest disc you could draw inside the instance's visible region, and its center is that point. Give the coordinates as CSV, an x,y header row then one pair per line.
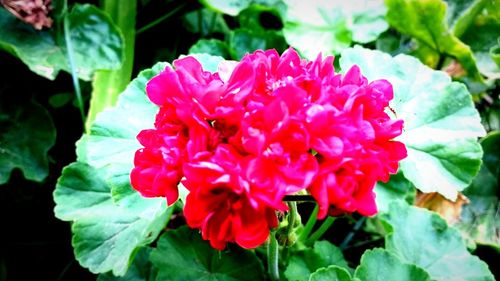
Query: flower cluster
x,y
242,138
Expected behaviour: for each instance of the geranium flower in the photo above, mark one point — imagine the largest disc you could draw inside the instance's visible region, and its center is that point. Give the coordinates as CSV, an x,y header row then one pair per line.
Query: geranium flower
x,y
263,128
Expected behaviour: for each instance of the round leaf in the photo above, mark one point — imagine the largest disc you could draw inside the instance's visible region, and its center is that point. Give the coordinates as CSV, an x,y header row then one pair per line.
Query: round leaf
x,y
303,263
331,26
381,265
210,46
141,269
479,220
105,235
331,273
423,238
99,184
181,254
27,135
97,43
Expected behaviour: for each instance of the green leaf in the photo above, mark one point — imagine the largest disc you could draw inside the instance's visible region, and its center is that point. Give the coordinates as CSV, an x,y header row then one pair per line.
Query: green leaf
x,y
331,26
141,269
461,14
99,184
26,136
210,46
205,22
426,21
112,137
105,235
368,22
61,99
479,220
97,43
331,273
37,49
234,7
441,124
181,254
303,263
423,238
260,17
398,188
495,54
482,37
381,265
242,41
390,43
425,54
492,153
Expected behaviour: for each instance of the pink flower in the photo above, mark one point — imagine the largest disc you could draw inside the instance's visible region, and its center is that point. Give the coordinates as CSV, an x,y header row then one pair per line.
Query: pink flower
x,y
221,202
353,137
158,166
266,127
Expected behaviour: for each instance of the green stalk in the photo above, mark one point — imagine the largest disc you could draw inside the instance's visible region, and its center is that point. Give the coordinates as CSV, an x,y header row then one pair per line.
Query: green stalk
x,y
309,225
272,257
321,230
108,84
72,66
292,216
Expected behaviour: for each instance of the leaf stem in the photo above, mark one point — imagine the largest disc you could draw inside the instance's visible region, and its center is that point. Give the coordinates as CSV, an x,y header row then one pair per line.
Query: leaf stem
x,y
65,270
200,21
212,23
272,257
71,60
321,230
351,234
310,224
160,19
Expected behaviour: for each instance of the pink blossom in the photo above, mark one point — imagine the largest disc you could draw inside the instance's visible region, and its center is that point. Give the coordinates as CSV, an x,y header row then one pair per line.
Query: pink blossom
x,y
263,128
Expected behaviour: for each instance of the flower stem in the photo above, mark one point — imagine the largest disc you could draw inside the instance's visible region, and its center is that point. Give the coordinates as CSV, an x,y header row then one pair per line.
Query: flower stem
x,y
272,257
321,230
292,217
310,224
